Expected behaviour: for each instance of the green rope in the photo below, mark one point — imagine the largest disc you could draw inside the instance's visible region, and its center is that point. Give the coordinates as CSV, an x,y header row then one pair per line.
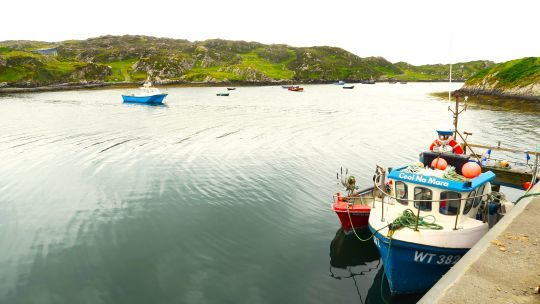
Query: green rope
x,y
408,219
451,174
527,195
414,168
354,230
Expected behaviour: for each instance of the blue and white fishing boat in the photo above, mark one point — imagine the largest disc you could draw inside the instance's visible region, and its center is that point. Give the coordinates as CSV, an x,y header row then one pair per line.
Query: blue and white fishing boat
x,y
147,94
424,220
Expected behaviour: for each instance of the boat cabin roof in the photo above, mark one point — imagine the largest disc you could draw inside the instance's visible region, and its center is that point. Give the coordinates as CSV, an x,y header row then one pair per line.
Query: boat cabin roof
x,y
432,178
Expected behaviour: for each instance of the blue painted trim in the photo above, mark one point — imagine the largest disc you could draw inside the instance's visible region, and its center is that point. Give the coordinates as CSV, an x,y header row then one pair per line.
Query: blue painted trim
x,y
441,183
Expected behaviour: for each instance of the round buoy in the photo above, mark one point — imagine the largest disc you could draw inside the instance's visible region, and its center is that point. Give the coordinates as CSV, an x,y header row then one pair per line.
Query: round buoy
x,y
504,164
471,169
527,185
439,163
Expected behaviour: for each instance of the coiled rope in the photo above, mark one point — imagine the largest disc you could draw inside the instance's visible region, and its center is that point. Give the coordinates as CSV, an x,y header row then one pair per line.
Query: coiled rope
x,y
451,174
408,219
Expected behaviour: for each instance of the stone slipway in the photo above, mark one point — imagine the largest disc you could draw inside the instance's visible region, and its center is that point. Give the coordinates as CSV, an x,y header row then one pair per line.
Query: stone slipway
x,y
503,267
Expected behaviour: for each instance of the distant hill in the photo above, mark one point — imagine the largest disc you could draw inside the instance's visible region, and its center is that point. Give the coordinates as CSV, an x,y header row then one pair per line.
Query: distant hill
x,y
119,59
460,71
515,78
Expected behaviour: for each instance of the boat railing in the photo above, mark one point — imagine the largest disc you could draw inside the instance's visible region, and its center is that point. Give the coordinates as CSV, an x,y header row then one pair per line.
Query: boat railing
x,y
379,180
362,197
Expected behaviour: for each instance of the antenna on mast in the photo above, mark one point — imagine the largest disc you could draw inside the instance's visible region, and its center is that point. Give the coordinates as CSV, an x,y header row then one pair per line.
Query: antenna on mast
x,y
450,82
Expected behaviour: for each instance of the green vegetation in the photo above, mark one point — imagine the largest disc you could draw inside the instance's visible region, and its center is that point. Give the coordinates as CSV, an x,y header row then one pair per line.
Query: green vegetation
x,y
519,72
272,70
510,74
460,71
121,71
135,58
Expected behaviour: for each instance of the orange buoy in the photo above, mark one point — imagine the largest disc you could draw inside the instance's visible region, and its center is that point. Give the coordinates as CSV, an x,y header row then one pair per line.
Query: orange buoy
x,y
471,170
527,185
439,163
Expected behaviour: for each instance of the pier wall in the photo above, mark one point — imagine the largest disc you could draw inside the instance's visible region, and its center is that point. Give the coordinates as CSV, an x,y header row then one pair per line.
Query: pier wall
x,y
503,267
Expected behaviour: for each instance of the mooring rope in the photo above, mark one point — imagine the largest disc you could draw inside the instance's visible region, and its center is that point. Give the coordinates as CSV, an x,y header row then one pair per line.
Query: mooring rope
x,y
408,219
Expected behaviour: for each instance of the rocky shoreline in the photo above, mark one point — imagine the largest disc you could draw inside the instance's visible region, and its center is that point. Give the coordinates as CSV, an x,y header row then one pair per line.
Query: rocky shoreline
x,y
531,92
103,85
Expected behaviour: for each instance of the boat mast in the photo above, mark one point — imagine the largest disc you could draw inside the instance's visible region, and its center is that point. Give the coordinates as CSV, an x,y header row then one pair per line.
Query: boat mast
x,y
450,83
456,113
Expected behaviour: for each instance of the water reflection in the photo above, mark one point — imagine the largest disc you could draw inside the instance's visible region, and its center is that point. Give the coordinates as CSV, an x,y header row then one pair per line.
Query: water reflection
x,y
380,292
351,258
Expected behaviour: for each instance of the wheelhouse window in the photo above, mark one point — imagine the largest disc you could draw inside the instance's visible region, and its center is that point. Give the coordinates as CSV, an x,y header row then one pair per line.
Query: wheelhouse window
x,y
469,202
425,195
449,203
402,193
479,194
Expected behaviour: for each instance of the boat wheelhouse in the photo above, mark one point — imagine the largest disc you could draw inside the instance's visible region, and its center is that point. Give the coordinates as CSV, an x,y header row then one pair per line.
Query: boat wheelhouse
x,y
424,220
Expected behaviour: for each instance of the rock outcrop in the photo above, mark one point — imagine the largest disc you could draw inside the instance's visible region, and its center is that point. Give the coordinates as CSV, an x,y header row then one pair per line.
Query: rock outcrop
x,y
518,78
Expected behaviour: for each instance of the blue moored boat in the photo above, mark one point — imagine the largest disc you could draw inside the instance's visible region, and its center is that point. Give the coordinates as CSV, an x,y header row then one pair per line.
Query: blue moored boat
x,y
147,95
446,215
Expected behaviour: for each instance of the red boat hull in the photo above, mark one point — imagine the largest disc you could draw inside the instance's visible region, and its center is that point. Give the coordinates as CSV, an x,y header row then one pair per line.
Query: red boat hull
x,y
359,215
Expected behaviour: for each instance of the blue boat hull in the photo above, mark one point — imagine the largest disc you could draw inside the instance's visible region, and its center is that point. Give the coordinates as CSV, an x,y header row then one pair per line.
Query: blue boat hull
x,y
152,99
413,268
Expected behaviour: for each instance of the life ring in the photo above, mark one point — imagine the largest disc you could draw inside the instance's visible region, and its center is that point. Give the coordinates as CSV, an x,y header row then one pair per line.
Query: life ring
x,y
456,148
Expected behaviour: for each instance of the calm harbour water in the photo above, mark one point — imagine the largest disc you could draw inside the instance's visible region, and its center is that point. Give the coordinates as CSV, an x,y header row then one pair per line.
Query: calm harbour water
x,y
207,199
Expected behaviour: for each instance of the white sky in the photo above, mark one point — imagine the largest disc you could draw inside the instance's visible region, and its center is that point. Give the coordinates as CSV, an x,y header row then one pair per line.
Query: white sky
x,y
418,32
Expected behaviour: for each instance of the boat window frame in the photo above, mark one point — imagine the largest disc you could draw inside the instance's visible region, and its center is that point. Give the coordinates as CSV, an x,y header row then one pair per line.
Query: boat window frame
x,y
479,197
404,200
422,201
448,202
469,202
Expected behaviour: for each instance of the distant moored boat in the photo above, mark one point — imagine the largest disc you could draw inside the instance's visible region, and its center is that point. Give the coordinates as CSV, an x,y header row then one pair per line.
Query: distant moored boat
x,y
147,94
231,89
222,94
348,87
296,89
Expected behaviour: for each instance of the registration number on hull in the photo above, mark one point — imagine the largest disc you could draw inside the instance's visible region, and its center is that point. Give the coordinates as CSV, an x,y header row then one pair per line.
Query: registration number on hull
x,y
430,258
433,258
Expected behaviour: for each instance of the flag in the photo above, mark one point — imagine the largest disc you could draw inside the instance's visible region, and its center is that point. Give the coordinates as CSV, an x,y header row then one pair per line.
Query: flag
x,y
527,156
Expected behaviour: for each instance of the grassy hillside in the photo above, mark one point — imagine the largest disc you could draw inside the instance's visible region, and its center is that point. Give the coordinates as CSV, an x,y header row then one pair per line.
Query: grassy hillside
x,y
514,73
460,70
134,58
515,78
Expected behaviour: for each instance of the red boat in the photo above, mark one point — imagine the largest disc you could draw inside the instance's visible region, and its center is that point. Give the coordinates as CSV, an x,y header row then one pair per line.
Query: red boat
x,y
296,89
353,211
